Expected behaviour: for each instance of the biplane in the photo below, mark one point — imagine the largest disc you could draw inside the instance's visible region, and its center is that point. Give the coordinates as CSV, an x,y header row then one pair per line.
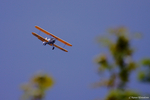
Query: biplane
x,y
50,41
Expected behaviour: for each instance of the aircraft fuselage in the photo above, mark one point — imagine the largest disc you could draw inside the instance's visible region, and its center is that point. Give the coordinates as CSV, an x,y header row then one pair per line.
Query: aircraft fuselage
x,y
50,41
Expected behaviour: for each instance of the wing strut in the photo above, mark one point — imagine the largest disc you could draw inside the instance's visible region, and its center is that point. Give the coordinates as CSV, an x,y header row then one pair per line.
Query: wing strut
x,y
64,45
39,32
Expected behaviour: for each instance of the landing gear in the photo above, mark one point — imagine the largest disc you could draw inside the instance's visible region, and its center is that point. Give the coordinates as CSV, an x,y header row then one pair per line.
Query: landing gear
x,y
53,48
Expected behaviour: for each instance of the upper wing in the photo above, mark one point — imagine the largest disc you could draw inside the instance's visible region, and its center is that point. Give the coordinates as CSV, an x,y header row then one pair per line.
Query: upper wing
x,y
40,37
59,39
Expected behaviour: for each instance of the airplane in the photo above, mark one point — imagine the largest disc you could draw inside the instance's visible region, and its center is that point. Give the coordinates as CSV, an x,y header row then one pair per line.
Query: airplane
x,y
50,41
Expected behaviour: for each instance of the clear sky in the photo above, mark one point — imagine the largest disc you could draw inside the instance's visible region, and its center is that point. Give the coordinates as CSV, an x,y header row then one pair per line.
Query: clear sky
x,y
77,21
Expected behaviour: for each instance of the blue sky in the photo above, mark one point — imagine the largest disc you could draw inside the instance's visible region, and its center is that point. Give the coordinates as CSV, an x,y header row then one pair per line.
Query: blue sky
x,y
77,21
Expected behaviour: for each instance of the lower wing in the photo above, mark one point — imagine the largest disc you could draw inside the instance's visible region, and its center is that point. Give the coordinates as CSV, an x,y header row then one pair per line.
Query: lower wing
x,y
44,40
40,37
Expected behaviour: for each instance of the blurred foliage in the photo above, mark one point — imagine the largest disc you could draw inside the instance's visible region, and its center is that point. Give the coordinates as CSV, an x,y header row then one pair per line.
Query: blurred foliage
x,y
122,64
121,95
35,89
144,73
115,71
